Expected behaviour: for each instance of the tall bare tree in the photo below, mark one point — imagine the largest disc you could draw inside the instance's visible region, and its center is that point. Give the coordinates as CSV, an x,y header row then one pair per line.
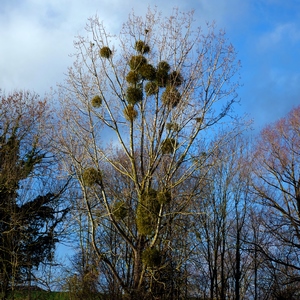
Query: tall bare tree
x,y
276,183
219,220
135,106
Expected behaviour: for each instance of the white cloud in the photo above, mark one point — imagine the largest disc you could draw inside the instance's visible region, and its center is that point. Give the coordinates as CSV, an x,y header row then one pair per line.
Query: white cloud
x,y
36,36
282,33
225,13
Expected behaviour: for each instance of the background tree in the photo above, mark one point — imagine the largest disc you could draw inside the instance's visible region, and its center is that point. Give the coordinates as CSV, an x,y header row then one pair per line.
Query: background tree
x,y
276,183
135,105
29,209
218,224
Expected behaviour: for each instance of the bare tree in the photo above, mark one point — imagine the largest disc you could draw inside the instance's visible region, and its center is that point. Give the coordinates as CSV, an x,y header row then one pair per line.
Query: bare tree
x,y
276,184
219,220
134,106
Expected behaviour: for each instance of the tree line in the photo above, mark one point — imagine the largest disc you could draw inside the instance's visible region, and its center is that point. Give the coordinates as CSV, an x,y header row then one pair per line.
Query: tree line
x,y
144,168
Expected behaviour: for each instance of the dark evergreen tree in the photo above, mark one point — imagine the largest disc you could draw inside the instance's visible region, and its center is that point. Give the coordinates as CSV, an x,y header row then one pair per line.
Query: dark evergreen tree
x,y
28,216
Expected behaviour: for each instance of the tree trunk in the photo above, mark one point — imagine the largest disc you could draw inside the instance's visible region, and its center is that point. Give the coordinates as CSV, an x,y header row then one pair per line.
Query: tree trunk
x,y
137,289
237,266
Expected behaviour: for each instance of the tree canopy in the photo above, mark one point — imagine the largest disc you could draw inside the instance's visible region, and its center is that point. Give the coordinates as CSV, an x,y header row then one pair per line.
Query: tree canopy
x,y
165,193
154,91
29,212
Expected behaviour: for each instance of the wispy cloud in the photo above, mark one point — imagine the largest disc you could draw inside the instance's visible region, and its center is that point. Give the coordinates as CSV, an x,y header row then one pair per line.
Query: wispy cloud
x,y
282,33
36,38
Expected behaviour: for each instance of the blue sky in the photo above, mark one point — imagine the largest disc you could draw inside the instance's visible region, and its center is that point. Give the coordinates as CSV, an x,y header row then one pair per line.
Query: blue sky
x,y
36,38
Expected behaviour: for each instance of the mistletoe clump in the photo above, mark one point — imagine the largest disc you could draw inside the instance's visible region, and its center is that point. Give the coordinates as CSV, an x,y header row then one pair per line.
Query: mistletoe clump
x,y
119,210
172,126
164,197
133,77
134,95
151,257
141,47
148,72
105,52
162,75
147,212
96,101
151,88
171,97
163,66
168,146
91,176
136,62
130,113
175,79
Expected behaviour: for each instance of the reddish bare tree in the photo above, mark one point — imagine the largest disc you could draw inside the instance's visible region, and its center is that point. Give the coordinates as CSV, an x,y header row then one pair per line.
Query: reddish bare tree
x,y
276,183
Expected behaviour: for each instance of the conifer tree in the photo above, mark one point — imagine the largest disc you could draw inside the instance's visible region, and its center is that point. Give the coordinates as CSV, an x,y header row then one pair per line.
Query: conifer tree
x,y
28,216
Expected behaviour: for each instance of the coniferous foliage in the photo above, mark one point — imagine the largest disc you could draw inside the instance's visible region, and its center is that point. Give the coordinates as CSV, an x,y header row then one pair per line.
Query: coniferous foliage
x,y
28,219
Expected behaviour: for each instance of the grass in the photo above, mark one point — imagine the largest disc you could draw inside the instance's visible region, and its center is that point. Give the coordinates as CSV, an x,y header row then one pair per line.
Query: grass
x,y
39,295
